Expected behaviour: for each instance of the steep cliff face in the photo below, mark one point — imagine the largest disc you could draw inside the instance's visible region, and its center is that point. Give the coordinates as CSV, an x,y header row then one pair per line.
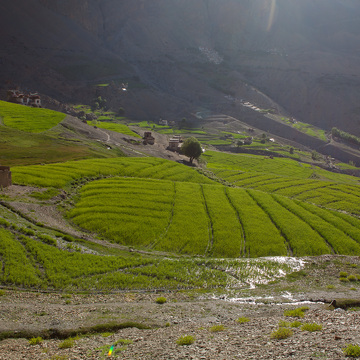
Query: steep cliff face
x,y
302,54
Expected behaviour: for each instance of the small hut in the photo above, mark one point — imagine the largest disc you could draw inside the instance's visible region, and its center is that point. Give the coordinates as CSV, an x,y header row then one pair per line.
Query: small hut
x,y
148,138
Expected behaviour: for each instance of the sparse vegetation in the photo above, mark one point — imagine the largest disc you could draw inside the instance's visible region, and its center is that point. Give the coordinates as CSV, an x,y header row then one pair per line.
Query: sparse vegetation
x,y
352,351
299,312
217,328
242,320
185,340
67,343
36,341
281,333
335,132
161,300
311,327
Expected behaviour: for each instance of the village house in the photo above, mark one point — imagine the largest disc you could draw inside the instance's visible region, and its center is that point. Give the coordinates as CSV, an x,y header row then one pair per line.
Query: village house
x,y
174,143
148,138
163,122
248,140
17,97
34,100
5,176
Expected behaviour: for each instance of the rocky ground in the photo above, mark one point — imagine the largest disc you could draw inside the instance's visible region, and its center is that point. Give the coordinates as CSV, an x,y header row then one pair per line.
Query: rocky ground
x,y
191,313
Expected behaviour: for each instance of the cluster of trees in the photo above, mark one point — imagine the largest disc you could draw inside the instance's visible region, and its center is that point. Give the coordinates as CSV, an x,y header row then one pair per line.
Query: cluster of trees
x,y
98,103
345,136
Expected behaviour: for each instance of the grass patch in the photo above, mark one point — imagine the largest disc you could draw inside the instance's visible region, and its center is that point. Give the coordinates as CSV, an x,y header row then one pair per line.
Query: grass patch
x,y
352,351
311,327
45,195
120,128
35,341
242,320
185,340
67,343
107,334
160,300
281,333
299,312
217,328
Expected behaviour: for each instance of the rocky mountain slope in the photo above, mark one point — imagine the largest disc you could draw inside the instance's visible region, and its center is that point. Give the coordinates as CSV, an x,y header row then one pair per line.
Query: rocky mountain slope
x,y
179,56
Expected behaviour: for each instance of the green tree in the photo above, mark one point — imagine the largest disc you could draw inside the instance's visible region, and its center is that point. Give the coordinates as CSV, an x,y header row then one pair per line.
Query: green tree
x,y
191,148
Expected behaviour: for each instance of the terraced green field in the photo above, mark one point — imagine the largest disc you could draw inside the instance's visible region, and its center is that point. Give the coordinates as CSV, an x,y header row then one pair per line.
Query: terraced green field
x,y
288,178
120,128
259,164
210,220
30,262
328,194
24,118
62,174
284,167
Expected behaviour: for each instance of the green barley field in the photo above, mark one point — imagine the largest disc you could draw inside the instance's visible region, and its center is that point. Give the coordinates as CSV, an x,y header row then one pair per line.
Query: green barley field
x,y
177,227
24,118
210,220
32,260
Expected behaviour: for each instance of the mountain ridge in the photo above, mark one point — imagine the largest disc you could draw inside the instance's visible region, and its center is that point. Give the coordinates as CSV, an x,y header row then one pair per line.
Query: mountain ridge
x,y
301,55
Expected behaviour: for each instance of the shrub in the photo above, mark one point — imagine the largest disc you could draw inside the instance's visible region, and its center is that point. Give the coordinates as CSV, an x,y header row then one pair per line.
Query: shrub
x,y
352,350
281,333
35,341
66,344
68,238
217,328
311,327
299,312
343,274
330,287
185,340
295,324
283,323
352,278
161,300
342,279
47,240
242,320
2,292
